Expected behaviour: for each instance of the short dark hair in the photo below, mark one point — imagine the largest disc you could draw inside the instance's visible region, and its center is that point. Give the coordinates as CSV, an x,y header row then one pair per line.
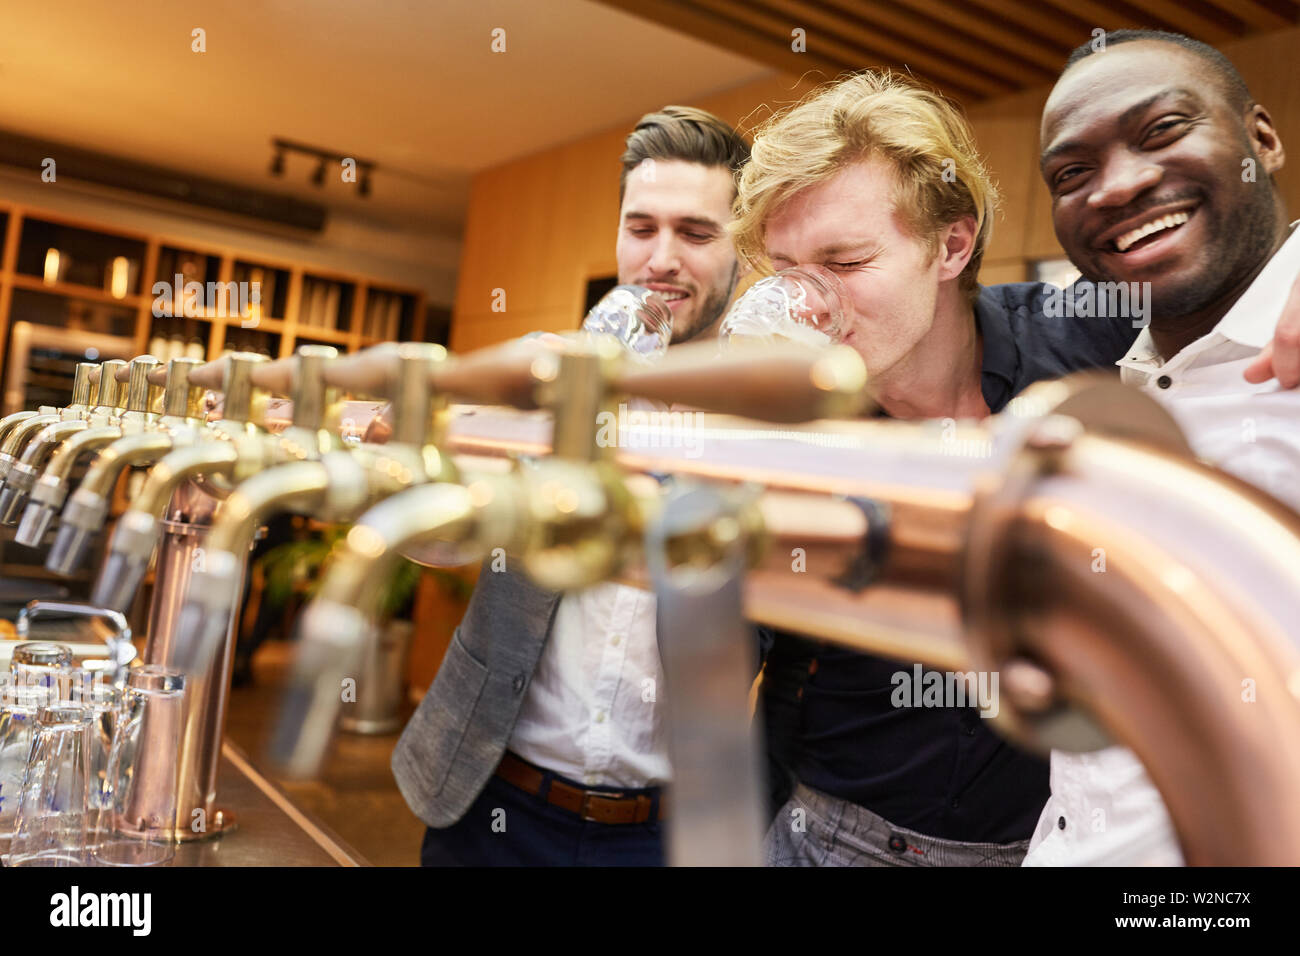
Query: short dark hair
x,y
1230,80
684,133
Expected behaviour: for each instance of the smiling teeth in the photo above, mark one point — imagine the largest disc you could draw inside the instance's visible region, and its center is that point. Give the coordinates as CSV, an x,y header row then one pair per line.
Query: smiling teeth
x,y
1155,225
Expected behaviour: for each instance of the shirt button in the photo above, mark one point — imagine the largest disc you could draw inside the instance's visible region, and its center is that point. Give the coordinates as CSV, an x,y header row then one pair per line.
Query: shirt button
x,y
517,685
1060,823
600,716
1164,381
616,640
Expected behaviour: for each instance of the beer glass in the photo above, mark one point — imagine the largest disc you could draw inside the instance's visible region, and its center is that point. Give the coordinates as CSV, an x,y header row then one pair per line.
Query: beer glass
x,y
636,316
137,824
50,829
39,664
18,709
807,304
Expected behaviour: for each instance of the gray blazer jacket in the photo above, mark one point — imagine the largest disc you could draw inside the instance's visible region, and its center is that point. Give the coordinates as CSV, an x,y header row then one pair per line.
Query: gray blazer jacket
x,y
454,741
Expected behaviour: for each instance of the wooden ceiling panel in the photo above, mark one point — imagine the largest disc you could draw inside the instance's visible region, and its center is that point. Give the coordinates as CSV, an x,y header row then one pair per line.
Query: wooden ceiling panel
x,y
971,49
853,46
1009,38
1265,15
1204,21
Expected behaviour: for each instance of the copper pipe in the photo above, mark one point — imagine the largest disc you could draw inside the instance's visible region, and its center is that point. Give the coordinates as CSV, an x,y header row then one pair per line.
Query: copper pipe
x,y
1185,647
1195,599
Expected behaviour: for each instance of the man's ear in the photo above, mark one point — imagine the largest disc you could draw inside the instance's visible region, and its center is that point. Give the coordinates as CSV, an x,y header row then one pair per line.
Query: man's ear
x,y
956,246
1263,136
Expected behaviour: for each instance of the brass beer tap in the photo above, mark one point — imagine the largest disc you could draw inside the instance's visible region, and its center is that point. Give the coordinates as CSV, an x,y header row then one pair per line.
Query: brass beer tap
x,y
181,408
87,508
140,396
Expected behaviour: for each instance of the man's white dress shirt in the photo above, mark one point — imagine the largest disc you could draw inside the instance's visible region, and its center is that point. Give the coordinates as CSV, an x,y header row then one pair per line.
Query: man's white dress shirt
x,y
1112,814
591,711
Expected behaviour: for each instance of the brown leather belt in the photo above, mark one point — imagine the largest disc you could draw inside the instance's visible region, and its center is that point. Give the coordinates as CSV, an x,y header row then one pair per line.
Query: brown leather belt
x,y
597,806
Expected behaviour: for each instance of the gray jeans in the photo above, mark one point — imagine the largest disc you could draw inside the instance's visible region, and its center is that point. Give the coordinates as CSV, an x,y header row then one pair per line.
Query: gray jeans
x,y
814,829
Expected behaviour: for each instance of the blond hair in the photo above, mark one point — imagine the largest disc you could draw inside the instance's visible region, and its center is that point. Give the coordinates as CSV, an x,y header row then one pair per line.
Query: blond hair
x,y
940,175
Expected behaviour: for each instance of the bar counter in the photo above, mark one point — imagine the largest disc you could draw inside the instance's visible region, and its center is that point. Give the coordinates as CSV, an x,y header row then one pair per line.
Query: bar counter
x,y
269,831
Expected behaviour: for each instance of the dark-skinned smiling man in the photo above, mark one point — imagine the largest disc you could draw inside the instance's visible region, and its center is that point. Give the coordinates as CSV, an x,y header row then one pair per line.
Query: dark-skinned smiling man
x,y
1161,169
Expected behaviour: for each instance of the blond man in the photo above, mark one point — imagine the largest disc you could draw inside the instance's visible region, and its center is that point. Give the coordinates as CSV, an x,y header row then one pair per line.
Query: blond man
x,y
879,181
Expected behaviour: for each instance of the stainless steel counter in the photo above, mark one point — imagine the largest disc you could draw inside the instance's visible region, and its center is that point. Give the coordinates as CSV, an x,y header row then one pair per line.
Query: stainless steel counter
x,y
270,830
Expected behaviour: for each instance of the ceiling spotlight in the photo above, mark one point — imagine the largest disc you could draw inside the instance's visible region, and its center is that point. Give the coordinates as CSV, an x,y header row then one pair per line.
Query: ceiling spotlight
x,y
318,177
277,163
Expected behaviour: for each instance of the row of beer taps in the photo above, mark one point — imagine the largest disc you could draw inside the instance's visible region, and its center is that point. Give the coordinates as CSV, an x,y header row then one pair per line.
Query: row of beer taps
x,y
569,517
974,550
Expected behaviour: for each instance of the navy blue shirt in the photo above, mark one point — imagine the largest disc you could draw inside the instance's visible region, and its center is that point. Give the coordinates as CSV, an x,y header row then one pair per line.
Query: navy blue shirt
x,y
941,770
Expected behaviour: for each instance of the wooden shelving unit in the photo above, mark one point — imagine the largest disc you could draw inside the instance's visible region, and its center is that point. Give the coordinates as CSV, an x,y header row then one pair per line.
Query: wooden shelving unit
x,y
300,302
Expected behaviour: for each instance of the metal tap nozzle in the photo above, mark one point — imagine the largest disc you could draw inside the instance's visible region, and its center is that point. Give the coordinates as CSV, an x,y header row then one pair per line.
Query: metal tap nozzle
x,y
336,627
22,475
75,418
136,534
236,444
19,436
51,488
87,507
337,486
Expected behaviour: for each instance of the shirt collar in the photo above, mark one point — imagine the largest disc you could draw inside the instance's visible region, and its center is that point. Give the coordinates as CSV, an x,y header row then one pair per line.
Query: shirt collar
x,y
1252,319
1142,354
1001,362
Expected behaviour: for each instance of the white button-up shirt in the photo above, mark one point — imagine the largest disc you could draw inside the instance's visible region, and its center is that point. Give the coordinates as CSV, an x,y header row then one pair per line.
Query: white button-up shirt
x,y
591,711
1104,809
